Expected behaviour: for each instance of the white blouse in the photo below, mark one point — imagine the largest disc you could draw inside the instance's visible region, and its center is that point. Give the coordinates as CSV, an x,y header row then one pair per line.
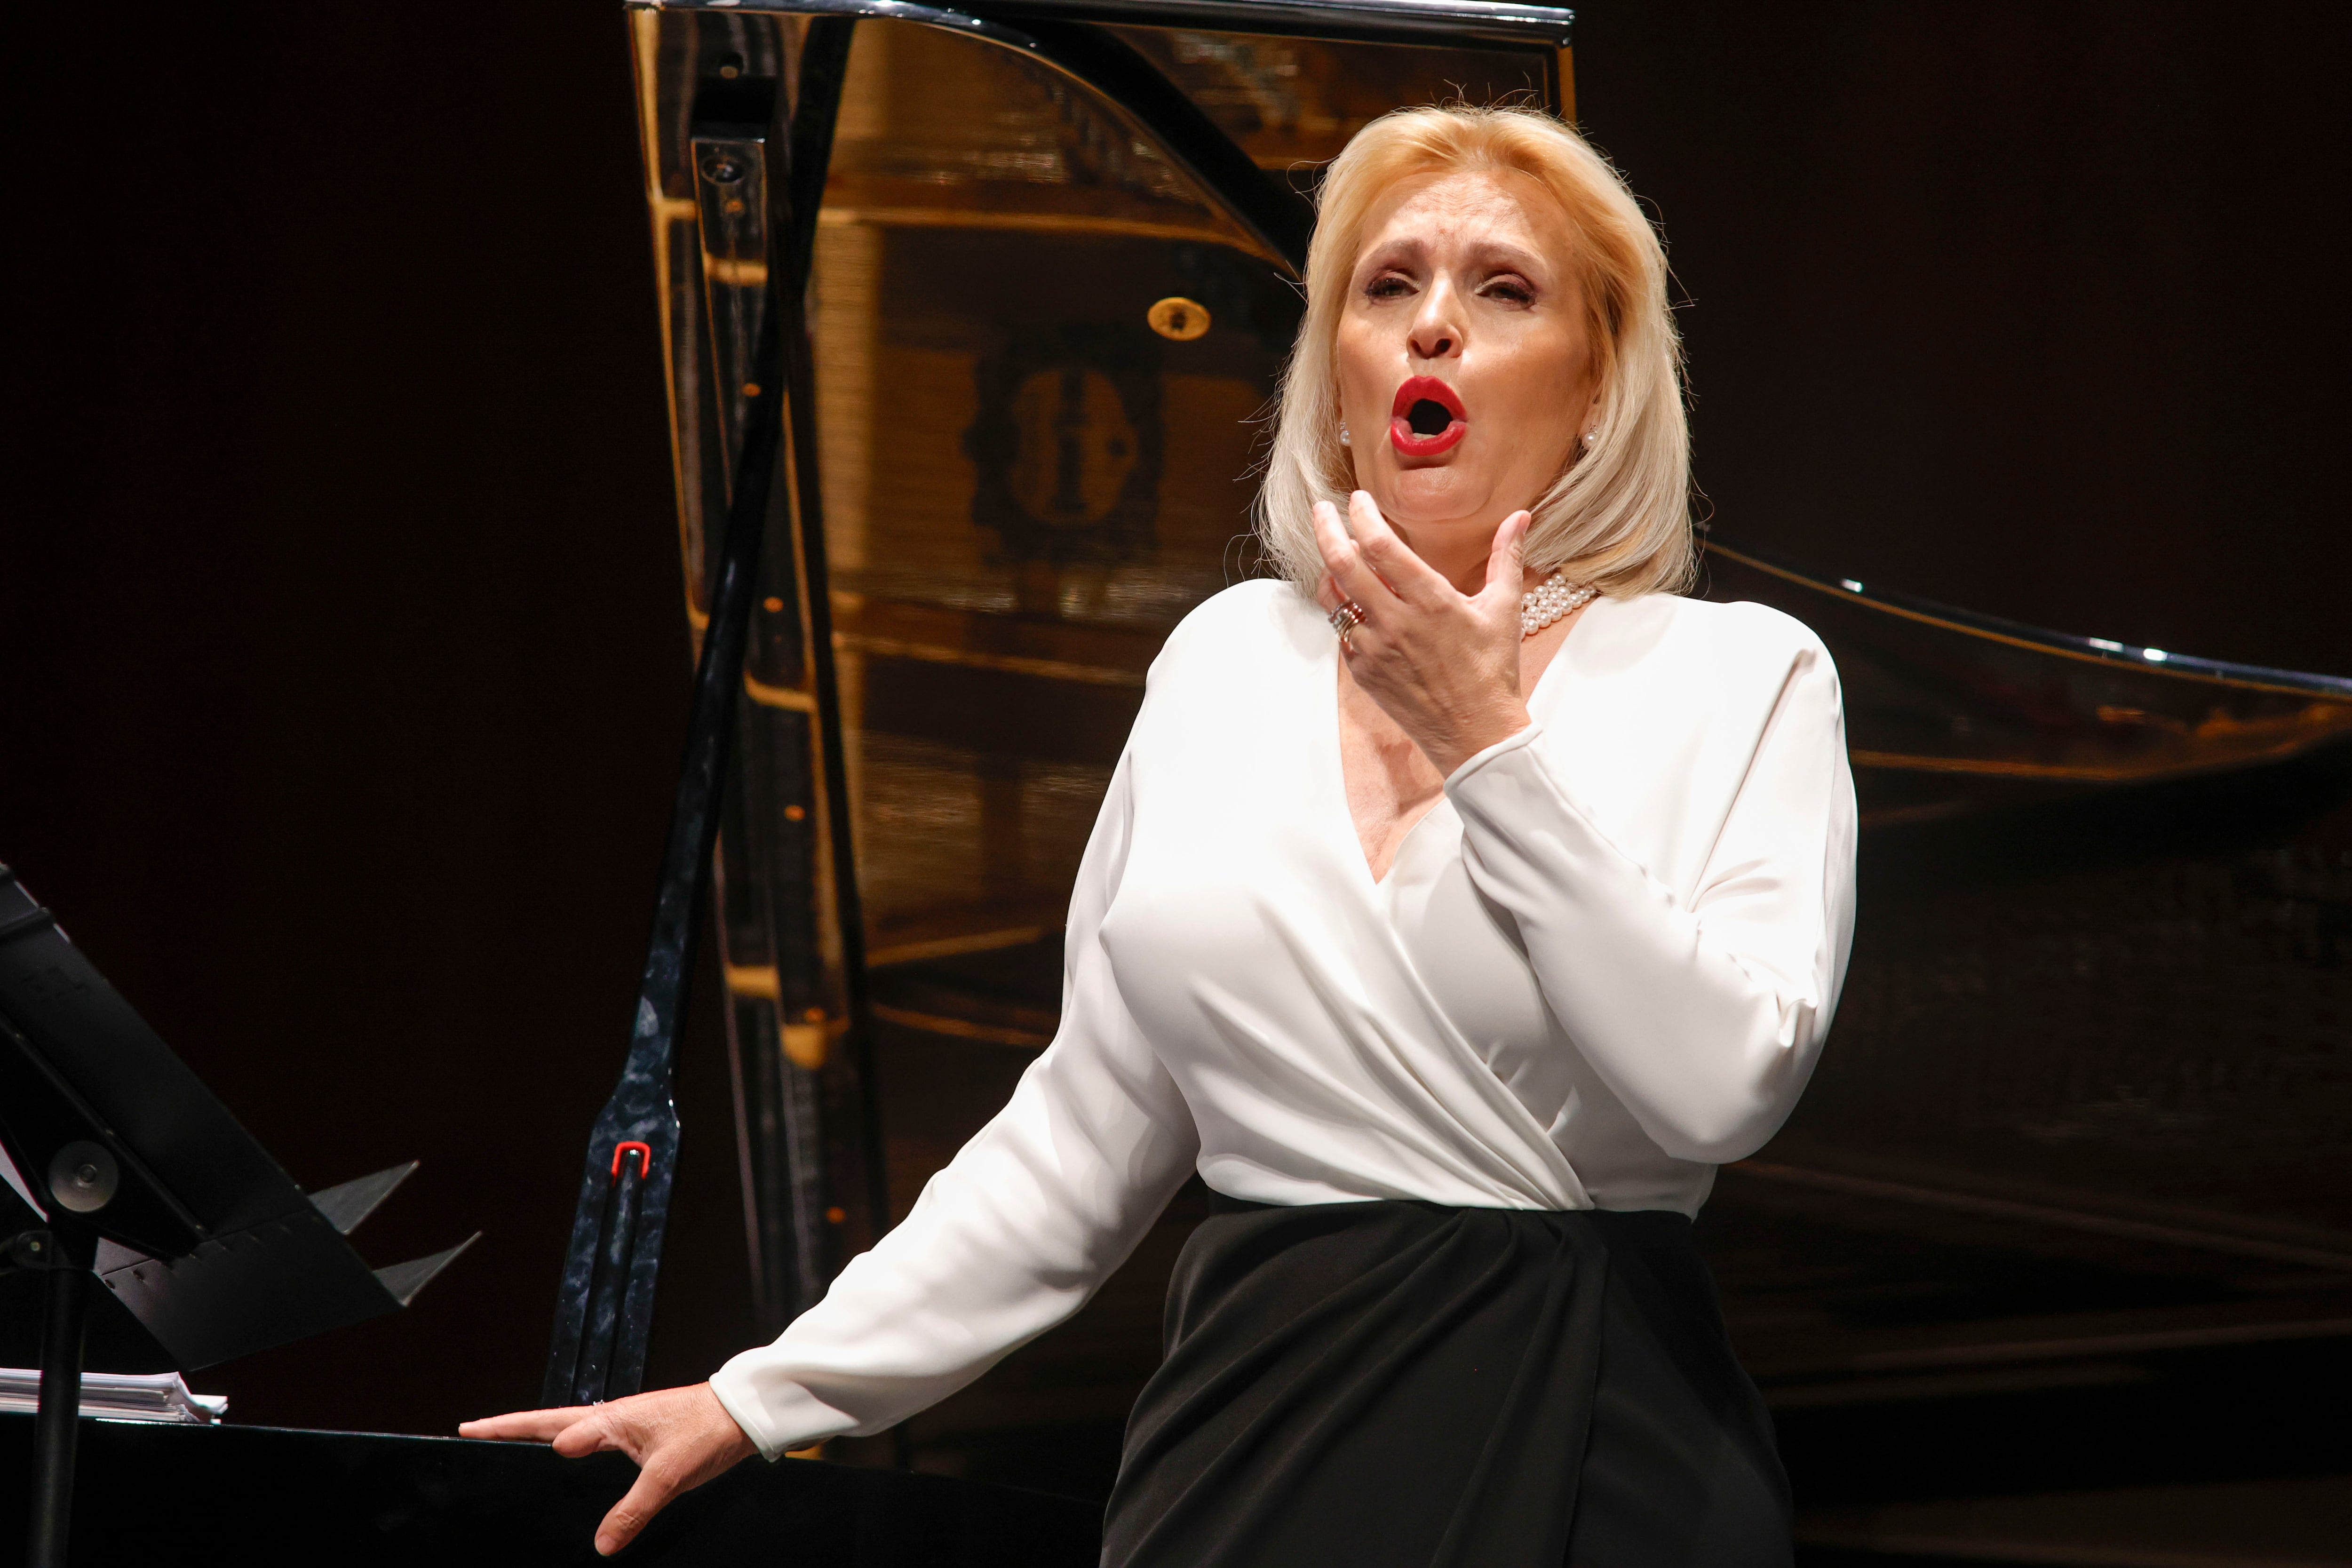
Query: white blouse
x,y
1601,965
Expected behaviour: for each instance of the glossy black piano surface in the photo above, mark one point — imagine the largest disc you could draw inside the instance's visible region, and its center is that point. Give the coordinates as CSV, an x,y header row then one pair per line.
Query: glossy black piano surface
x,y
254,1495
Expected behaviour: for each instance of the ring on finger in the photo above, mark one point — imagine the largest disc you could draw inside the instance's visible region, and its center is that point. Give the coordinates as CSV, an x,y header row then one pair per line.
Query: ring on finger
x,y
1347,619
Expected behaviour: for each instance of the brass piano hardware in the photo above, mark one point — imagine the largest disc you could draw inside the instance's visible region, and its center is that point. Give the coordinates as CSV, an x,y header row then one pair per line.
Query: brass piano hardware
x,y
804,1045
906,216
962,1028
758,980
1179,318
953,946
773,604
1079,643
786,697
1015,664
751,389
736,274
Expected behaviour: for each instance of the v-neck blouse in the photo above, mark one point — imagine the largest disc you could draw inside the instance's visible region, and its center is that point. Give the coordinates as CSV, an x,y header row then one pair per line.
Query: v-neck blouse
x,y
1601,965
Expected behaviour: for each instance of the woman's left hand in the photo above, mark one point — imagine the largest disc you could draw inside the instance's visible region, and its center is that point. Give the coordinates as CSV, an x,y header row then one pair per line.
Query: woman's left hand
x,y
1444,665
681,1438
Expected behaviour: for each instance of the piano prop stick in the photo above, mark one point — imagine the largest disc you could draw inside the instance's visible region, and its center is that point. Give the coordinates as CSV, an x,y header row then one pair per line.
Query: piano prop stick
x,y
605,1304
148,1183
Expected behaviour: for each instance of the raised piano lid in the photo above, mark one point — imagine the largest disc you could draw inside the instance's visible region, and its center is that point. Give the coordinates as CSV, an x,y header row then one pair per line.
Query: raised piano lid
x,y
1950,710
2084,1065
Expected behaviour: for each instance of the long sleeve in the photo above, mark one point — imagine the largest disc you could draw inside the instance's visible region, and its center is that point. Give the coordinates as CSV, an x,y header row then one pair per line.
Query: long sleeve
x,y
1701,1006
1014,1235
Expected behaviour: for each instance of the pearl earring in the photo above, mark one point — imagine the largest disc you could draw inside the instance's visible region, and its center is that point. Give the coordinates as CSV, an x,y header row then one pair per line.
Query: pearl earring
x,y
1590,437
1343,434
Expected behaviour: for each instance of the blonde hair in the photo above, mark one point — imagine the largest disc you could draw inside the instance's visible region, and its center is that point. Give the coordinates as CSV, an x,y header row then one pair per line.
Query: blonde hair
x,y
1617,516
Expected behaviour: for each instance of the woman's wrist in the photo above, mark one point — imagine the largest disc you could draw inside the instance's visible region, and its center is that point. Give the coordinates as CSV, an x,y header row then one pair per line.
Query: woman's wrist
x,y
1483,730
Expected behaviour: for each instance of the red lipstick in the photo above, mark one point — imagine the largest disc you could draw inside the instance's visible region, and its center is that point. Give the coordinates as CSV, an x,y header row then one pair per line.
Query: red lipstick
x,y
1426,418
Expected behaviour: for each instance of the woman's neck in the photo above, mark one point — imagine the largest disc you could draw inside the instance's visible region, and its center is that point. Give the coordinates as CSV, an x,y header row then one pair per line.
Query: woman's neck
x,y
1456,551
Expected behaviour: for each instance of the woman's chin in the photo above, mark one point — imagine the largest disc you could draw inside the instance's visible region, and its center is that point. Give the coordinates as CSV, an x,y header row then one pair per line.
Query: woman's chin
x,y
1438,493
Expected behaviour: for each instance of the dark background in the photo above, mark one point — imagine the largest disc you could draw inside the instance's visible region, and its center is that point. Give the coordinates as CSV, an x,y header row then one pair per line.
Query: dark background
x,y
342,662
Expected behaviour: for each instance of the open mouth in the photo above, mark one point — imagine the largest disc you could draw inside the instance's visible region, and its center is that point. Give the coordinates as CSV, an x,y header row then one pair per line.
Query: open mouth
x,y
1426,417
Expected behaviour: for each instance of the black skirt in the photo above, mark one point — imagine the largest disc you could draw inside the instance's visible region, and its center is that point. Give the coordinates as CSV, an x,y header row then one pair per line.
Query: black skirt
x,y
1400,1385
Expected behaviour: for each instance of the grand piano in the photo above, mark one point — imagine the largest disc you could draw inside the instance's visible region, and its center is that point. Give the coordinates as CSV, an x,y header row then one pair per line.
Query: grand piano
x,y
970,316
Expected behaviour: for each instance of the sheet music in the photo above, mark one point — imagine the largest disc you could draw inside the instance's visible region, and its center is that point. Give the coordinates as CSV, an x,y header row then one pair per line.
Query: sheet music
x,y
119,1396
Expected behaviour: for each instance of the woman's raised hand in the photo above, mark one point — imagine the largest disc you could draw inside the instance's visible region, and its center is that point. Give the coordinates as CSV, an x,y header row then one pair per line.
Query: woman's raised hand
x,y
1444,664
681,1438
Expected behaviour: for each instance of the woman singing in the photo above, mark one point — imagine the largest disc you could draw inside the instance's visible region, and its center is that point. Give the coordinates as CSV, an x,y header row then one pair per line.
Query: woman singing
x,y
1460,901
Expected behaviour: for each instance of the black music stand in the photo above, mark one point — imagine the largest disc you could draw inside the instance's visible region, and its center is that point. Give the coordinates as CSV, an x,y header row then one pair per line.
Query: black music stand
x,y
149,1184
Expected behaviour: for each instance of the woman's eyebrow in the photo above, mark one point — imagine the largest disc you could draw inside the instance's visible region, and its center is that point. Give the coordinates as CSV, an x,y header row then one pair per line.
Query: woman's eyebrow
x,y
1403,249
1515,257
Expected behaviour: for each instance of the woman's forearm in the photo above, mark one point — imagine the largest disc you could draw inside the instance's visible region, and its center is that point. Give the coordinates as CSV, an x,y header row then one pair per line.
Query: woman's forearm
x,y
1702,1014
1009,1239
1014,1235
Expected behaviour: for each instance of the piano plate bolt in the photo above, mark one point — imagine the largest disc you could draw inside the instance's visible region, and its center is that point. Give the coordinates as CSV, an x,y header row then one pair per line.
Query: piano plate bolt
x,y
1179,318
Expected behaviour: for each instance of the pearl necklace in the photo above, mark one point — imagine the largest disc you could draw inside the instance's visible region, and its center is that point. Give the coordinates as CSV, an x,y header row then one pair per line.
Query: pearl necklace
x,y
1548,601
